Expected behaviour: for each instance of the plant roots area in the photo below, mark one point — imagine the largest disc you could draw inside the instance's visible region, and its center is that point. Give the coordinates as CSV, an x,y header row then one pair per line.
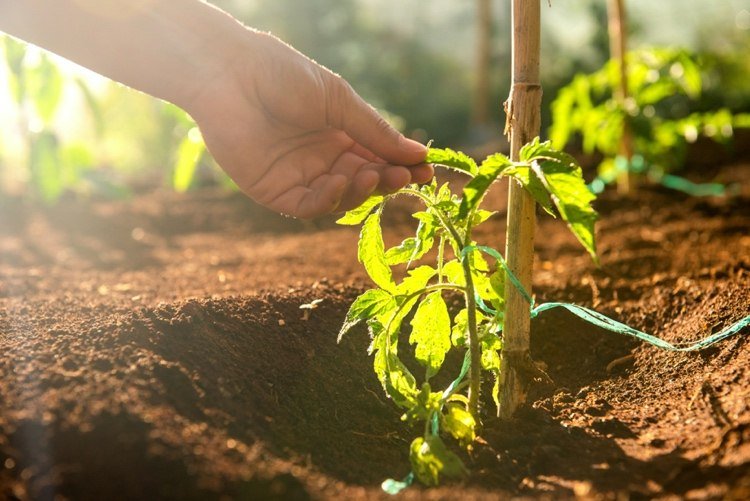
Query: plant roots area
x,y
155,348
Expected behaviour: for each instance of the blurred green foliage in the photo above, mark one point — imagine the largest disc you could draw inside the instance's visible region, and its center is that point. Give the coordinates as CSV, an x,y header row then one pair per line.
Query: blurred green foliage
x,y
412,60
664,89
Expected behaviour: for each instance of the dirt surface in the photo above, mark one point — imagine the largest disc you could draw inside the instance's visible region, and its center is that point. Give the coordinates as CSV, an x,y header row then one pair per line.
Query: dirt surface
x,y
155,348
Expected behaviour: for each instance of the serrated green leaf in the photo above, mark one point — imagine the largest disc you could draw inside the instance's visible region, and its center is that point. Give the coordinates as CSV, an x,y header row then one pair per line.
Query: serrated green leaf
x,y
428,402
460,329
481,216
454,159
454,272
398,382
477,187
430,459
368,305
371,253
459,423
490,345
416,280
526,177
431,332
413,248
572,198
358,214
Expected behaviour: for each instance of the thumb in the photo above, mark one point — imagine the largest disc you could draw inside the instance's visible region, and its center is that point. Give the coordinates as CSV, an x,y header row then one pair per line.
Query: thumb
x,y
347,111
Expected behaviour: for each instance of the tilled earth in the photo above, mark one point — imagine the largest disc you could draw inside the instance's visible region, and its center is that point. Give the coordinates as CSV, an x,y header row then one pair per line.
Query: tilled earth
x,y
155,348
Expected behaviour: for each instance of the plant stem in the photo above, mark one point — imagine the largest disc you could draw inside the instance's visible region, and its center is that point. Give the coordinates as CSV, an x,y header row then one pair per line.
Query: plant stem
x,y
475,374
523,122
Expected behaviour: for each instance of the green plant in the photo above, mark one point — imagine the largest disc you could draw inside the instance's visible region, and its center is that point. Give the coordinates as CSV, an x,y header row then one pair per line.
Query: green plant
x,y
554,180
662,84
37,87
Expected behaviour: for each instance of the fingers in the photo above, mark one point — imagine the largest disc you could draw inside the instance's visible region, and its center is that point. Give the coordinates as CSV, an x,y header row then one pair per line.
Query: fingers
x,y
350,113
322,197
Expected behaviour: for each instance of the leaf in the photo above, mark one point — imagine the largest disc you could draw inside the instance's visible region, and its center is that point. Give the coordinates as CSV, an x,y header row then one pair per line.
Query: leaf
x,y
46,173
476,188
430,458
454,159
399,384
45,88
413,248
490,345
416,280
459,332
428,402
371,253
524,175
460,423
357,215
573,200
189,154
366,306
431,332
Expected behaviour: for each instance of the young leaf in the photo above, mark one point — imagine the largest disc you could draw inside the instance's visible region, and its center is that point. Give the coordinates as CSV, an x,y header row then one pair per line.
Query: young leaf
x,y
357,215
459,423
524,175
454,159
431,332
413,248
416,280
460,328
399,384
371,253
366,306
428,402
491,346
572,198
476,188
430,458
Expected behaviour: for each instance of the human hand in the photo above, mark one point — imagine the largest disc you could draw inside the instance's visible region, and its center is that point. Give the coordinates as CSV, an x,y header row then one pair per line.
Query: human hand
x,y
295,137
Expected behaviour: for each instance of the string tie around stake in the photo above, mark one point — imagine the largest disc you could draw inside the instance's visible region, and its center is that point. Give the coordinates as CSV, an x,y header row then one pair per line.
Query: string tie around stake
x,y
393,487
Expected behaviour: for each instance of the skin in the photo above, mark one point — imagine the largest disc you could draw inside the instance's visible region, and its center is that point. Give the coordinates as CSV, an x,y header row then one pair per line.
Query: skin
x,y
293,135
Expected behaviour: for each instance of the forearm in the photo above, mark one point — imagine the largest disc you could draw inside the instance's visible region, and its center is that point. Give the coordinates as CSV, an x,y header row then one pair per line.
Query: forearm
x,y
167,48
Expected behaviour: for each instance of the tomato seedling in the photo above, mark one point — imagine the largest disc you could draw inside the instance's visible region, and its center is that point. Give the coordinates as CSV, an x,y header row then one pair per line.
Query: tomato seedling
x,y
554,180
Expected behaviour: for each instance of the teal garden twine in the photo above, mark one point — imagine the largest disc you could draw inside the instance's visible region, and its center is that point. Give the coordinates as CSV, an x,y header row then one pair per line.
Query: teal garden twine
x,y
393,487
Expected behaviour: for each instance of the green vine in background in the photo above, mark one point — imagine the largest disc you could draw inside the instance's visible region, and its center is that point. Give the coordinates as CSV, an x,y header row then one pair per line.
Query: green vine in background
x,y
659,81
446,224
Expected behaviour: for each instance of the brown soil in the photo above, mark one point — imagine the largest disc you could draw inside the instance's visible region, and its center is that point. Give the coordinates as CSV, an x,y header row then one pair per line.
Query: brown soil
x,y
154,348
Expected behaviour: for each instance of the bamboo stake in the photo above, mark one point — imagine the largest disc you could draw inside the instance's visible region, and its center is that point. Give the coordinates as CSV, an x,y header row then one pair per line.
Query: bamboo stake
x,y
618,43
481,116
522,123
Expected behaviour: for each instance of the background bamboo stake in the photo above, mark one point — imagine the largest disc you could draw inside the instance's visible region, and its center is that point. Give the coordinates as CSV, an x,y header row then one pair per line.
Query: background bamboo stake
x,y
480,115
617,27
522,123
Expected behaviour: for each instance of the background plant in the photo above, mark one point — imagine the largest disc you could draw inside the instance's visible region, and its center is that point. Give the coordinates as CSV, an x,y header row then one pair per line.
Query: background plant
x,y
662,85
554,180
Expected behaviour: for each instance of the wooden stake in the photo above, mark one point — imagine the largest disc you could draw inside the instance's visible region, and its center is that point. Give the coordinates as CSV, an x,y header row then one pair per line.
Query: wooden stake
x,y
522,123
618,47
481,116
